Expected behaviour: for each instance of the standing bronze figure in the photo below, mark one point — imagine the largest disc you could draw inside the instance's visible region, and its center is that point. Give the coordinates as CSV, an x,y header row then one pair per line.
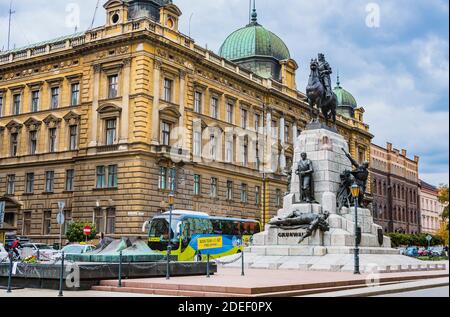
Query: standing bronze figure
x,y
319,91
305,172
360,174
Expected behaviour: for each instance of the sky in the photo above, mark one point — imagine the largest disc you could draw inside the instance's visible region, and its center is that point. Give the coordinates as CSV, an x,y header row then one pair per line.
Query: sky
x,y
391,55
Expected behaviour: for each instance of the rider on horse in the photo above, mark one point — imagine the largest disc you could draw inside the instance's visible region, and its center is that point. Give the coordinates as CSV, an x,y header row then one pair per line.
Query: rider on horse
x,y
325,72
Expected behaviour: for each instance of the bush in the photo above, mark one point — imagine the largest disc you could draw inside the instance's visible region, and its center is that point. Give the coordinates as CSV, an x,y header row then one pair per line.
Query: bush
x,y
75,232
420,240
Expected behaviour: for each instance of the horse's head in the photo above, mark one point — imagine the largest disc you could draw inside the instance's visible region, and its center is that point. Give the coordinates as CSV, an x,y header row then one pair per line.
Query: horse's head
x,y
314,65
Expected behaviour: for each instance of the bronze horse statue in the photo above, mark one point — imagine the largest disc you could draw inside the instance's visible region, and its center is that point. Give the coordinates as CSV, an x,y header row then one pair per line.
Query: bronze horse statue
x,y
315,91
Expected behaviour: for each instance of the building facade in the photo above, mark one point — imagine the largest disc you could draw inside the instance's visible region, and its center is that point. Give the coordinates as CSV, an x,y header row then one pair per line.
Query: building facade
x,y
112,120
395,189
430,207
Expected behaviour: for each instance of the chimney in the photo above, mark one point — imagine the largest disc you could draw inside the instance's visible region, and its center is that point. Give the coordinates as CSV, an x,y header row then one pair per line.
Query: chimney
x,y
416,159
404,152
389,146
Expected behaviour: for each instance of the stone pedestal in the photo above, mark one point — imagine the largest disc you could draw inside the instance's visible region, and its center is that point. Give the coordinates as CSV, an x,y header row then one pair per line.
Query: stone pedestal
x,y
324,149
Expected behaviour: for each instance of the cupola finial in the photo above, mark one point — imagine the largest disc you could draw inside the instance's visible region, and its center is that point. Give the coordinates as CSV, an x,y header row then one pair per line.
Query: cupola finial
x,y
254,13
338,82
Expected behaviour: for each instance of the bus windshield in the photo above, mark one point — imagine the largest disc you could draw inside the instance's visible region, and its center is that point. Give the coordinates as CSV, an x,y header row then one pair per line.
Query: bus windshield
x,y
159,228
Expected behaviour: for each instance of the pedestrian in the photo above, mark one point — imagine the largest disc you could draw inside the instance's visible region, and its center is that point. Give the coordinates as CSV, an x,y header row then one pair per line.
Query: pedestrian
x,y
15,247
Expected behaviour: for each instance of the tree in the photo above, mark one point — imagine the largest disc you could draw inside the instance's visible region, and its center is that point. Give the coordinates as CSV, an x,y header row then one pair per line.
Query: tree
x,y
443,232
443,199
75,232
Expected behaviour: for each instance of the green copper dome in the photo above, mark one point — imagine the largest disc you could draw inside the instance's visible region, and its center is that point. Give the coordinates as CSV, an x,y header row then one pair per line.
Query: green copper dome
x,y
345,99
253,40
256,49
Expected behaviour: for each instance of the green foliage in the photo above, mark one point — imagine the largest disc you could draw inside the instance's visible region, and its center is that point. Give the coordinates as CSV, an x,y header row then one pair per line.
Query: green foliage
x,y
75,232
420,240
433,258
443,198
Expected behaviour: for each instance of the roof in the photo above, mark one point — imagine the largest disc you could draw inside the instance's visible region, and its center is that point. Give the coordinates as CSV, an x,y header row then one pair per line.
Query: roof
x,y
39,44
254,40
428,186
345,98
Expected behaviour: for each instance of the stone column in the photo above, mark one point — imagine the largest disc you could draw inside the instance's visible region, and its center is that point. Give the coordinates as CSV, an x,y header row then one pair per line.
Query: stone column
x,y
156,93
126,72
268,157
294,134
182,102
94,115
282,137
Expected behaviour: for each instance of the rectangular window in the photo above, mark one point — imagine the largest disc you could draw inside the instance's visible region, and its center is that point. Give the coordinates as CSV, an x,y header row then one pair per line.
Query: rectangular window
x,y
112,176
213,191
14,144
29,186
35,101
1,106
257,195
49,181
70,175
172,179
229,190
52,140
162,178
197,184
286,133
73,136
113,84
10,184
111,125
229,150
99,220
257,122
198,102
165,133
100,177
274,129
16,104
244,118
33,142
244,193
230,112
47,227
213,147
75,94
26,223
54,91
214,107
197,143
278,197
68,219
110,220
245,152
168,84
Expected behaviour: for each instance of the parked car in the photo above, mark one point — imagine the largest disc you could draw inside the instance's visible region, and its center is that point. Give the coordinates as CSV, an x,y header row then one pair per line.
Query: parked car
x,y
437,251
43,252
402,251
423,252
74,249
412,251
3,253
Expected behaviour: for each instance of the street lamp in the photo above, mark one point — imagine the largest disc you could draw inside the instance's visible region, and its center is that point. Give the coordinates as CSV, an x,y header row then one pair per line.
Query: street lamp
x,y
170,200
355,194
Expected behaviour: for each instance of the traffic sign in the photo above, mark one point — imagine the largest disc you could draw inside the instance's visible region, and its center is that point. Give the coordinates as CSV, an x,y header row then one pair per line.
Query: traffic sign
x,y
87,230
60,219
429,238
61,205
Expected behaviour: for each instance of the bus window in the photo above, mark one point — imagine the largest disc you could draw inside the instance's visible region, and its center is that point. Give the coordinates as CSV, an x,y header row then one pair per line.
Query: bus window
x,y
160,229
193,226
217,226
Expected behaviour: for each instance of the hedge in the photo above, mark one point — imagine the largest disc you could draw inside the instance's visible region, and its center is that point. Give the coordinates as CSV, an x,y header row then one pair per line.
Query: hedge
x,y
420,240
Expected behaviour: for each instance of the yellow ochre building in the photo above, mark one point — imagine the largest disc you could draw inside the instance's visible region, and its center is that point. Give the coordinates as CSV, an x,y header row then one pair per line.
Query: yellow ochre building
x,y
112,120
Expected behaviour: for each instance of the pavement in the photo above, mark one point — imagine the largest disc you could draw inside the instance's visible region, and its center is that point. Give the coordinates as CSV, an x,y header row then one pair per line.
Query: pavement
x,y
28,292
404,289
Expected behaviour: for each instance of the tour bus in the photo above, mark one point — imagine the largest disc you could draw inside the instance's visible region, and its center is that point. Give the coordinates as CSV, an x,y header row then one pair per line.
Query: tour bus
x,y
189,226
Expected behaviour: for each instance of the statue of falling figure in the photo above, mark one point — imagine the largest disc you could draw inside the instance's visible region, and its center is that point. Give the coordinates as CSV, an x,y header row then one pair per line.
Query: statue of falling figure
x,y
309,221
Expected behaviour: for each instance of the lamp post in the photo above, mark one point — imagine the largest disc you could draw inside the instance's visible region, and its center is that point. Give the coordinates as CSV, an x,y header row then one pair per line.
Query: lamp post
x,y
169,243
355,193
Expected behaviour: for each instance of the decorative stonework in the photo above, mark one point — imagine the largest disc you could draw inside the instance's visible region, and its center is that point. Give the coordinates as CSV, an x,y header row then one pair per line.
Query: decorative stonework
x,y
14,127
72,118
32,124
51,121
